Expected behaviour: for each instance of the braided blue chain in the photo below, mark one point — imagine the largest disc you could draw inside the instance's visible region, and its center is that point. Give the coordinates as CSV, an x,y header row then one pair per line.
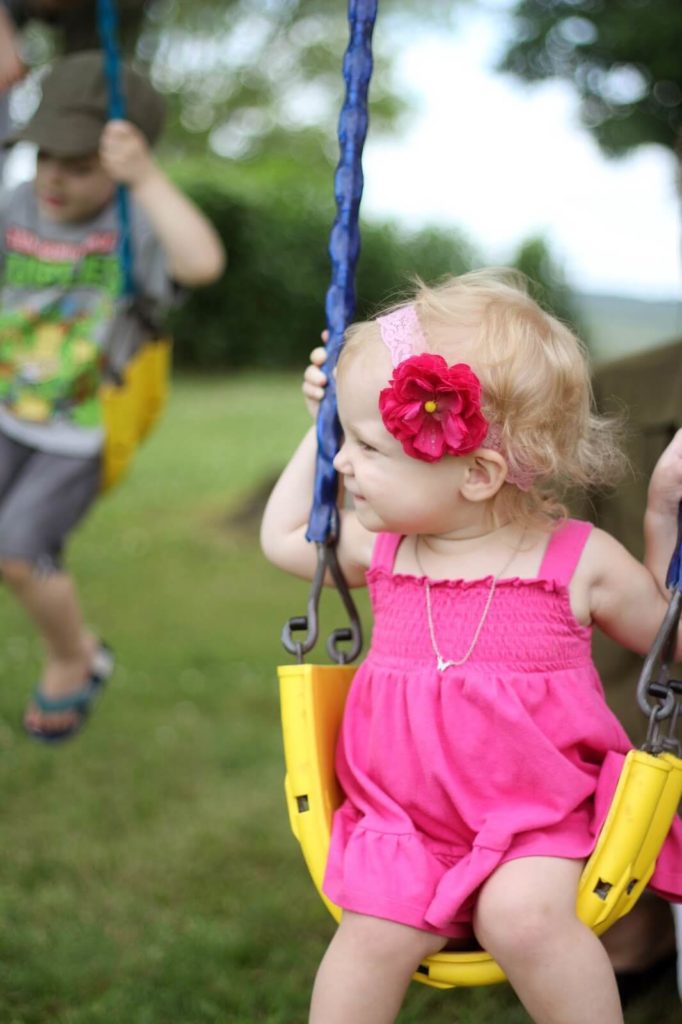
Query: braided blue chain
x,y
344,249
674,579
107,24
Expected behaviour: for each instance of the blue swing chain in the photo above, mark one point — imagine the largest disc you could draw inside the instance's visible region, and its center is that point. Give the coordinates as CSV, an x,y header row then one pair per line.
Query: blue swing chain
x,y
344,249
674,577
107,25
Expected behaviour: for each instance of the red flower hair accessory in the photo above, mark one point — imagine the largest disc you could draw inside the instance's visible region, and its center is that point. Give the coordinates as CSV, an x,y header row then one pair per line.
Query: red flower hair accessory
x,y
433,408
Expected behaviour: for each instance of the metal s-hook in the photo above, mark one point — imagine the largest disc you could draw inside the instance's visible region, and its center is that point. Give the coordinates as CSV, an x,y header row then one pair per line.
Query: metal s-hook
x,y
351,633
309,621
326,562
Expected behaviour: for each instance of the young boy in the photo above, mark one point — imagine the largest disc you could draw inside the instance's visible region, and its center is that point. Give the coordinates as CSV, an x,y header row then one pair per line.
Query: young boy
x,y
59,280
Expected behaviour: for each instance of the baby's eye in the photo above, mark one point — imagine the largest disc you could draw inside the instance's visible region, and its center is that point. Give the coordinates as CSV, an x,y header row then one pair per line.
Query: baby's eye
x,y
366,447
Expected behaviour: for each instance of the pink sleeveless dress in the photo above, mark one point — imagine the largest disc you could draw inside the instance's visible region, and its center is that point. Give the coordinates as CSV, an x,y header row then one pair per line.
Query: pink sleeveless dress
x,y
449,775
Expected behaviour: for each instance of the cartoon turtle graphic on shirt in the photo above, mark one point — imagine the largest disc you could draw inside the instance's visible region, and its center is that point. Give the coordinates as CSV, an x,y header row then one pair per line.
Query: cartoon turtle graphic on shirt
x,y
49,363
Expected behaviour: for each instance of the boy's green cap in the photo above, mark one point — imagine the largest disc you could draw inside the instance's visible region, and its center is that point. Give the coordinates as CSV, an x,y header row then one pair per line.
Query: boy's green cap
x,y
74,106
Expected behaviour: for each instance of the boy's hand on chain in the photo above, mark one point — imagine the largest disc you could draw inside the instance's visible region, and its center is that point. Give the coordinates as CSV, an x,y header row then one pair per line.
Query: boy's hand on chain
x,y
125,154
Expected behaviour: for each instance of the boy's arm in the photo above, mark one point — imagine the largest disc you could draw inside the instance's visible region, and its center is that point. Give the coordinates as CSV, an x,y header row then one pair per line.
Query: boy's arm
x,y
285,522
193,250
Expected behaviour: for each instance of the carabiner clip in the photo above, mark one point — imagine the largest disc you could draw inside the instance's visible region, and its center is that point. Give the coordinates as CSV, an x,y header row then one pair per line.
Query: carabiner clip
x,y
654,682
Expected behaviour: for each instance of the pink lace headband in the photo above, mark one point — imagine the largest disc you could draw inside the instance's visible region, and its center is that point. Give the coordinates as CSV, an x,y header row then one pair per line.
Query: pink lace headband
x,y
430,407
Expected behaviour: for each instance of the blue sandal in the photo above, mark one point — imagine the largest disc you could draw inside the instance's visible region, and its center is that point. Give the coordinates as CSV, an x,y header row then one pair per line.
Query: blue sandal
x,y
78,702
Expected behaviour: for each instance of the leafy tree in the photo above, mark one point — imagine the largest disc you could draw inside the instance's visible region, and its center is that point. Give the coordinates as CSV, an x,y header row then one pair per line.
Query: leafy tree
x,y
72,25
244,76
547,281
623,57
269,309
252,76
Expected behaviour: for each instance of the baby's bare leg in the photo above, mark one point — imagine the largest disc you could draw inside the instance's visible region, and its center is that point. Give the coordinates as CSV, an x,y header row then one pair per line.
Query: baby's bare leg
x,y
367,967
525,918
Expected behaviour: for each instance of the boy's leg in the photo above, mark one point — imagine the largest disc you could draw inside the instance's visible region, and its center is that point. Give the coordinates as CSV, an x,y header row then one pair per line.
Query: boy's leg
x,y
525,917
40,503
366,970
51,602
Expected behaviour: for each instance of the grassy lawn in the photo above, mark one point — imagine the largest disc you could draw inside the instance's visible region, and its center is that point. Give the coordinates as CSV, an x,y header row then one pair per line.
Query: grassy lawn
x,y
148,875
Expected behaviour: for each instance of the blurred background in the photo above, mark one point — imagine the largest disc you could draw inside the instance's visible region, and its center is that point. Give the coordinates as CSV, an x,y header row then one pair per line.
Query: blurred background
x,y
540,134
147,872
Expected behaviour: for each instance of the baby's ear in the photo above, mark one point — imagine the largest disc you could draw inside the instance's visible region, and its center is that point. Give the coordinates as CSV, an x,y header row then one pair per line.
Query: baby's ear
x,y
487,473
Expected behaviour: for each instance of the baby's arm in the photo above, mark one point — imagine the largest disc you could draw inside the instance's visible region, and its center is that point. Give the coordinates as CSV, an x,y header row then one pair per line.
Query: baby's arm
x,y
193,249
285,520
624,598
628,599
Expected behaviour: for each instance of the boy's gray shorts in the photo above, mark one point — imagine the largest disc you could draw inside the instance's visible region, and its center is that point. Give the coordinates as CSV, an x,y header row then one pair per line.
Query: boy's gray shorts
x,y
42,497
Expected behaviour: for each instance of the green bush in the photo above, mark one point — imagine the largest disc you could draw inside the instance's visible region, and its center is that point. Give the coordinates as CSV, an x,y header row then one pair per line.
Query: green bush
x,y
268,310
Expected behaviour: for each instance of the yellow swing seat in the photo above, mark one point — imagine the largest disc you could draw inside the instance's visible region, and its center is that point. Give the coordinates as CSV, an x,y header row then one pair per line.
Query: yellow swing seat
x,y
131,408
312,698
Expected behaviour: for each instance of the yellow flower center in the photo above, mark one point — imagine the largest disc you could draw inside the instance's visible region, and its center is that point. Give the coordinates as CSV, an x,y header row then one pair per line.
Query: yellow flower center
x,y
430,406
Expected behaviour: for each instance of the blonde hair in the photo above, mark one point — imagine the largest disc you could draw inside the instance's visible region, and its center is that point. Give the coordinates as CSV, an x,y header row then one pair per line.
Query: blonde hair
x,y
535,380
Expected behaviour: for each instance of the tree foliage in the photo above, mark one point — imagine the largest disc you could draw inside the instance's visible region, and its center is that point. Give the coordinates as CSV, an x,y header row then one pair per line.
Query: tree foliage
x,y
623,57
247,78
242,75
547,281
269,308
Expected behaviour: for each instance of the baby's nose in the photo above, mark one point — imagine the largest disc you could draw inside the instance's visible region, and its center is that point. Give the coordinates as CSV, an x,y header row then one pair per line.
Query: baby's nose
x,y
341,461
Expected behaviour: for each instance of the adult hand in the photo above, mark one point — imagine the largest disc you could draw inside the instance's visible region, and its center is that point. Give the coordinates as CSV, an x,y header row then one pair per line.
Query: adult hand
x,y
665,486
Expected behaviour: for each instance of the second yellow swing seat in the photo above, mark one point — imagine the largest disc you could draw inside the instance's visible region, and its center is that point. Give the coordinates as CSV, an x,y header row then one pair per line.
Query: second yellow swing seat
x,y
643,808
132,407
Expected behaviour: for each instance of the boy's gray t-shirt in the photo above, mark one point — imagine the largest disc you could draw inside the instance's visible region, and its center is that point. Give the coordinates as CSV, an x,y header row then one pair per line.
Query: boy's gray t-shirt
x,y
59,298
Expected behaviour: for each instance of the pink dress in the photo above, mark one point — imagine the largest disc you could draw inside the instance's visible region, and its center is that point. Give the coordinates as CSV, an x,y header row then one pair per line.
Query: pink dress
x,y
449,775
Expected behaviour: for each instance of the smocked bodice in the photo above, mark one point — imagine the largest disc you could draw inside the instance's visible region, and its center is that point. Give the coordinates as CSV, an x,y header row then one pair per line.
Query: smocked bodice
x,y
530,626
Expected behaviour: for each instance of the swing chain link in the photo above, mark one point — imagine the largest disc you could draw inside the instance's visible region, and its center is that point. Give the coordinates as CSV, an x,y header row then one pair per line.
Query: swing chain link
x,y
659,696
107,26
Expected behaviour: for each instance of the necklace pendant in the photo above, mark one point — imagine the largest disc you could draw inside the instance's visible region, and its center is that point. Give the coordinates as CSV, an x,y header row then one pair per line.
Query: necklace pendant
x,y
443,664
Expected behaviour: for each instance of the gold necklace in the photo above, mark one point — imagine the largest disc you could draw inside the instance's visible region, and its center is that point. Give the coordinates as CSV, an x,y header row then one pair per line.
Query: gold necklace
x,y
446,663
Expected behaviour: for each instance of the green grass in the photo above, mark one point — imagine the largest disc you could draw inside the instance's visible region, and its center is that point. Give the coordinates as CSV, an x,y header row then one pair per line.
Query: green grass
x,y
148,875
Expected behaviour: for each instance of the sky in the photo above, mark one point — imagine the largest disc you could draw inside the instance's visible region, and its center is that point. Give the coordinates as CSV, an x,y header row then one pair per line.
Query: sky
x,y
503,160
